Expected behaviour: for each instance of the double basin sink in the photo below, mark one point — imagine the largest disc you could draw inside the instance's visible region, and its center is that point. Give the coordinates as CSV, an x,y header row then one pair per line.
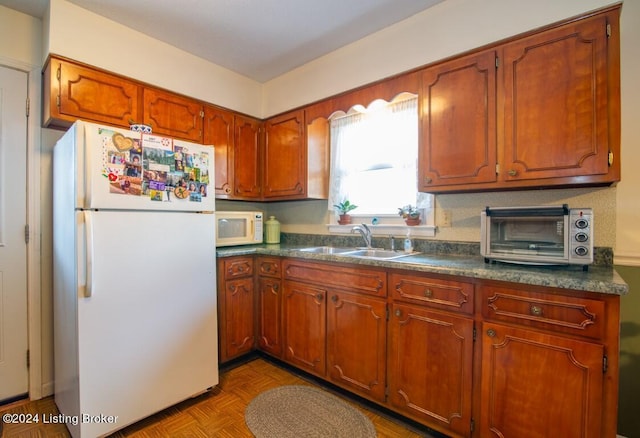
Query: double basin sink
x,y
369,253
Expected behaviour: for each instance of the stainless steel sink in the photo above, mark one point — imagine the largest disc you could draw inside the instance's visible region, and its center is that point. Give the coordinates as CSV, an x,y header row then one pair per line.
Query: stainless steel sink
x,y
379,254
327,250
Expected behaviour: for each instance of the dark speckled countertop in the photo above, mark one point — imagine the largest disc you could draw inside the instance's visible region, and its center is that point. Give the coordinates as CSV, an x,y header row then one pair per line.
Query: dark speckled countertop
x,y
601,278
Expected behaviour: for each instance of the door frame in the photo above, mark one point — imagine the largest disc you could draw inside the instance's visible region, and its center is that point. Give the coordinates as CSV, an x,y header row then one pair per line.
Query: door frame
x,y
34,301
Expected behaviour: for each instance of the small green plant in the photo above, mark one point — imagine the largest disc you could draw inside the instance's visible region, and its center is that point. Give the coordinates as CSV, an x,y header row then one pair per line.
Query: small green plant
x,y
345,207
409,211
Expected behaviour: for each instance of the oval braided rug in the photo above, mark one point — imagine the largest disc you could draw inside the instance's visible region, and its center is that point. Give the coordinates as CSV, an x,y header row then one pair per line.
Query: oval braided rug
x,y
303,411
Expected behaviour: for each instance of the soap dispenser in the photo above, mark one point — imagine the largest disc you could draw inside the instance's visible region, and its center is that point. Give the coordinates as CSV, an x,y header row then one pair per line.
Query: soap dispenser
x,y
408,244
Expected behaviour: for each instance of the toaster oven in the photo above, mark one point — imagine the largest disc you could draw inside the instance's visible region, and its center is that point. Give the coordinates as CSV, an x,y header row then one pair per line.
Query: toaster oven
x,y
545,235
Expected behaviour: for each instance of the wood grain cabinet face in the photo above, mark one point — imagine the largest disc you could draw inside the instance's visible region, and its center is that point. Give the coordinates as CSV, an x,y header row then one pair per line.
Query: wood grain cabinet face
x,y
270,306
430,366
285,157
556,110
458,122
438,293
247,159
219,132
236,307
173,115
305,326
75,92
357,343
534,384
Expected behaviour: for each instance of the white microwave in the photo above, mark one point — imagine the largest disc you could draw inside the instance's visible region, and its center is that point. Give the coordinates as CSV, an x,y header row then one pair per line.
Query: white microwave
x,y
238,228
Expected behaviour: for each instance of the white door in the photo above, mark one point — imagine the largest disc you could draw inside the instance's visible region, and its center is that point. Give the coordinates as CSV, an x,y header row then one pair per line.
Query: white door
x,y
13,249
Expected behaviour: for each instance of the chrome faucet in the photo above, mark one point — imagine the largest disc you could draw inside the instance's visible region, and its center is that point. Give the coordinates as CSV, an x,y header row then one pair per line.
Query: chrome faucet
x,y
365,232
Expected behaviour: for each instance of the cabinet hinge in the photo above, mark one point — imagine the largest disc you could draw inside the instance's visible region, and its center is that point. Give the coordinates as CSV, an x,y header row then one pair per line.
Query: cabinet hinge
x,y
28,359
201,114
59,72
28,106
497,62
387,311
58,101
608,30
474,334
497,169
605,364
473,425
610,158
26,233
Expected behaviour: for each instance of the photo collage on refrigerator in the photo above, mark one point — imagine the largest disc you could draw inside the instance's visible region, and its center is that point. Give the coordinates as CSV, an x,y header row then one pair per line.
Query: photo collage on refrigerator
x,y
159,168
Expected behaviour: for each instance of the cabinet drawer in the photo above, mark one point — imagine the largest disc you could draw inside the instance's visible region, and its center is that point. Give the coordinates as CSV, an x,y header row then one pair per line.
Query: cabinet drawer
x,y
269,267
558,313
355,279
237,267
452,295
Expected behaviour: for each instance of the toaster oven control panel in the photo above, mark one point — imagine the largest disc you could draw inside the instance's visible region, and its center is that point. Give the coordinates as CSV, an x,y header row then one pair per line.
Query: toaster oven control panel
x,y
581,235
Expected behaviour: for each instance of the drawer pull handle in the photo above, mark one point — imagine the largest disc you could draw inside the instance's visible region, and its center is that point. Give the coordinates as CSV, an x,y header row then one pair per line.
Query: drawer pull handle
x,y
536,310
267,268
334,298
491,333
513,172
428,293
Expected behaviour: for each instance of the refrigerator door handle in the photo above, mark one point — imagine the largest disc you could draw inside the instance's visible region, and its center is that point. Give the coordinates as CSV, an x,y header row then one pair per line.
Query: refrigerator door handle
x,y
88,239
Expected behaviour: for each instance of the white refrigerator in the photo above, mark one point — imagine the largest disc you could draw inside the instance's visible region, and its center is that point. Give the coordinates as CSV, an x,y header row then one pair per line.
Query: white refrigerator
x,y
135,324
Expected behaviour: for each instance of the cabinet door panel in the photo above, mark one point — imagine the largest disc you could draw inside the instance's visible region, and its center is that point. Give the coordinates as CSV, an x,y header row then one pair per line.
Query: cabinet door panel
x,y
239,311
538,385
173,115
285,157
356,343
92,95
458,122
270,315
219,132
555,103
430,366
246,159
305,326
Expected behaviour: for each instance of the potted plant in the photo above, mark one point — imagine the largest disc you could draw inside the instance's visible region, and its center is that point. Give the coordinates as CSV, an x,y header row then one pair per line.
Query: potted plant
x,y
410,214
343,209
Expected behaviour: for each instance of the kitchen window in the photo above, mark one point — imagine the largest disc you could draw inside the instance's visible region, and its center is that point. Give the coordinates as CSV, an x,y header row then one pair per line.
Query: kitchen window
x,y
374,154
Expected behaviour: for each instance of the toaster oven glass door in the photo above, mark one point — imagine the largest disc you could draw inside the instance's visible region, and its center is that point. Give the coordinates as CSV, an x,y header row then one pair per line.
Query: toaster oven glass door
x,y
539,237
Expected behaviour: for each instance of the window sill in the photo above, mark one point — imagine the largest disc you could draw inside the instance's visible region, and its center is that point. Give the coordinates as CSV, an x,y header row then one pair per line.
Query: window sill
x,y
387,229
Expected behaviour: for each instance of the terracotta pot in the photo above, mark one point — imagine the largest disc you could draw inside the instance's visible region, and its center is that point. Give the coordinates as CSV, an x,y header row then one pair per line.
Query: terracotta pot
x,y
411,221
344,219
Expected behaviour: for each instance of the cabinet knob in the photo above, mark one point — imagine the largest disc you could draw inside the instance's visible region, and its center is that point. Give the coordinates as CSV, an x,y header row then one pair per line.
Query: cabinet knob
x,y
398,313
427,180
319,297
334,298
428,293
276,287
513,172
536,310
267,268
491,333
227,190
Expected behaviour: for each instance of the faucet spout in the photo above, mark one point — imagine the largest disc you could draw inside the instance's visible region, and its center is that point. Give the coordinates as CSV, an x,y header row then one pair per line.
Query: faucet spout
x,y
365,232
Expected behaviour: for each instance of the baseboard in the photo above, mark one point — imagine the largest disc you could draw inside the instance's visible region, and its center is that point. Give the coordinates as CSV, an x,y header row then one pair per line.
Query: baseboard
x,y
47,389
626,259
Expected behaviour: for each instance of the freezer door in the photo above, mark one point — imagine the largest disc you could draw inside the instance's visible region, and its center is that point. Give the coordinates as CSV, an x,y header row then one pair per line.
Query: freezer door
x,y
147,324
129,170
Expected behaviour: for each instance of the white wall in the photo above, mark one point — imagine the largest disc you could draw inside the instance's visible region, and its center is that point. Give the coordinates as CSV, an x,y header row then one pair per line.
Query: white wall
x,y
78,34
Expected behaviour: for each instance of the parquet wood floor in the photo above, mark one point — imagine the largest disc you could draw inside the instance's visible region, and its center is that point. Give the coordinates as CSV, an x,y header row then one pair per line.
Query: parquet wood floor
x,y
218,413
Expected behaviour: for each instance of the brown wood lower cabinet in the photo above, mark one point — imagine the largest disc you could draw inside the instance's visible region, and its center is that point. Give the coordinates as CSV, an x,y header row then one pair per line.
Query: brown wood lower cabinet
x,y
269,306
430,366
356,343
534,383
466,357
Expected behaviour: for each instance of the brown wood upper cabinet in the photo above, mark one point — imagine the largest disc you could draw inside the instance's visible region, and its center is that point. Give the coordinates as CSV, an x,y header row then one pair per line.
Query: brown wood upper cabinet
x,y
173,115
73,91
541,110
458,122
219,130
285,157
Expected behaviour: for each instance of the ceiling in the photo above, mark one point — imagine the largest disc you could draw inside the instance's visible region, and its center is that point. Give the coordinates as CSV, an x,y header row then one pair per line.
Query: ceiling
x,y
260,39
